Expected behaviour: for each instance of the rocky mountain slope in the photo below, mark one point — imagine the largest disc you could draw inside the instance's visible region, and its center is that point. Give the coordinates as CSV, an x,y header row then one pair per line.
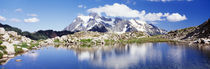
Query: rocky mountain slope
x,y
94,22
192,33
41,34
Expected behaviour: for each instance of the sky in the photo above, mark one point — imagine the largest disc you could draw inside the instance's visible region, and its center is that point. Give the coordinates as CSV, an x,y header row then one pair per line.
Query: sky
x,y
34,15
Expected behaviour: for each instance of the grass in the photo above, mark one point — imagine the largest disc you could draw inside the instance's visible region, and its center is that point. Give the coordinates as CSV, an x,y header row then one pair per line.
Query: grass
x,y
24,45
1,55
33,45
2,47
145,39
108,42
86,42
18,50
57,40
1,42
85,45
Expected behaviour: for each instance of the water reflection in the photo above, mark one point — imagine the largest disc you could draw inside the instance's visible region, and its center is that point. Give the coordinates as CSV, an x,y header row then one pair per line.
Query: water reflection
x,y
118,56
130,55
32,55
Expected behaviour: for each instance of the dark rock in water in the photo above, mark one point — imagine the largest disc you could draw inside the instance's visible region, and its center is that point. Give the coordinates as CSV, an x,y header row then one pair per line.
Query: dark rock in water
x,y
18,60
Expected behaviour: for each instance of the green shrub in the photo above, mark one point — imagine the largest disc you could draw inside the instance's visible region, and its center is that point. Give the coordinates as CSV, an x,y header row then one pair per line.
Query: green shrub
x,y
24,45
56,40
2,47
1,55
5,52
33,45
85,40
18,50
1,42
146,39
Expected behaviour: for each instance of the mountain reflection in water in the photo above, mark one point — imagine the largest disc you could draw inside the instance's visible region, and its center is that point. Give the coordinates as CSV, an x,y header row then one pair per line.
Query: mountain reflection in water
x,y
134,55
145,55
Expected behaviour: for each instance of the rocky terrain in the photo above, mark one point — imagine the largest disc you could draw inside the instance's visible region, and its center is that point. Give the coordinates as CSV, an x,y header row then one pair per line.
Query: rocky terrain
x,y
12,44
90,39
94,22
197,34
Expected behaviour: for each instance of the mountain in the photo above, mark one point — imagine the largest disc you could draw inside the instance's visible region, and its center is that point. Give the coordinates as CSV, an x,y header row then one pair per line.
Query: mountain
x,y
94,22
41,34
191,33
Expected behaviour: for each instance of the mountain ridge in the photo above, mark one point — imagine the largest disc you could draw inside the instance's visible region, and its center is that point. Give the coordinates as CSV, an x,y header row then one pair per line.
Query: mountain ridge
x,y
191,33
41,34
94,22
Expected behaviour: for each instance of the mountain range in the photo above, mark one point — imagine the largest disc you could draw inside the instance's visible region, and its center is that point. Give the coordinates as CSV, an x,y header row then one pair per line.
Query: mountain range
x,y
41,34
97,23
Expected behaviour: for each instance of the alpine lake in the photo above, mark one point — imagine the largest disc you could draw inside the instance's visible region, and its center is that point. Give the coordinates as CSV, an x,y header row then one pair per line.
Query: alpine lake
x,y
161,55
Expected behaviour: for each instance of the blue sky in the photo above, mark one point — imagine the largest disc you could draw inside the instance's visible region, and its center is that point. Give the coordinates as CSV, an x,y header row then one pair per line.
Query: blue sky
x,y
34,15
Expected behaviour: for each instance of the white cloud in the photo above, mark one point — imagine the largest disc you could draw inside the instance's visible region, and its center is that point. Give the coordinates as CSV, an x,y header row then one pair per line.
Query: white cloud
x,y
15,20
174,17
31,20
33,15
18,10
121,10
2,18
82,6
152,17
168,0
116,10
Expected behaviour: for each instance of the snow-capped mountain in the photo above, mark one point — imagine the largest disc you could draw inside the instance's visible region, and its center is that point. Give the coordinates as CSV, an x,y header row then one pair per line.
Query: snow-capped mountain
x,y
94,22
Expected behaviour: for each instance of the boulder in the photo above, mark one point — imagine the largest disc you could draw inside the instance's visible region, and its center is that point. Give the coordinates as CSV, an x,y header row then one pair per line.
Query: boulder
x,y
6,36
25,39
16,42
49,41
11,56
2,30
25,49
13,33
18,60
5,56
10,48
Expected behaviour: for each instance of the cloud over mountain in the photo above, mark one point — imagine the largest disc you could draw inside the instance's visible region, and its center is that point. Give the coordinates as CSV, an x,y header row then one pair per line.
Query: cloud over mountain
x,y
116,10
122,10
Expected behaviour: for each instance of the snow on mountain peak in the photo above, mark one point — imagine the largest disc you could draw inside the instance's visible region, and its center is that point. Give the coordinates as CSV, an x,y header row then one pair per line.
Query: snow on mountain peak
x,y
94,22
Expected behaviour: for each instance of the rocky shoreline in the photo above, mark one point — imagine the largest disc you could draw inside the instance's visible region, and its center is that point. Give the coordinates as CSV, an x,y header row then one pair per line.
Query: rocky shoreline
x,y
12,44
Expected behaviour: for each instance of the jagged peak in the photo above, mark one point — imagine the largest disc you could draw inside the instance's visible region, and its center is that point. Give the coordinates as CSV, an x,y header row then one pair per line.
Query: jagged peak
x,y
94,15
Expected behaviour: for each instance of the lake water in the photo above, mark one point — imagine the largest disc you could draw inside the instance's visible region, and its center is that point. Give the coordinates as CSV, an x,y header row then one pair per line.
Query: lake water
x,y
130,56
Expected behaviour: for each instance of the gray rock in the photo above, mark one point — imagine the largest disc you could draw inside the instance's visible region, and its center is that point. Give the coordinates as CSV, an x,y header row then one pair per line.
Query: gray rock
x,y
10,48
2,30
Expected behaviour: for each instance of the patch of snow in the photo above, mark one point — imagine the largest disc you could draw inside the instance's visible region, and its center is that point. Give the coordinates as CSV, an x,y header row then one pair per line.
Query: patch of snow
x,y
85,19
110,22
124,30
139,25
